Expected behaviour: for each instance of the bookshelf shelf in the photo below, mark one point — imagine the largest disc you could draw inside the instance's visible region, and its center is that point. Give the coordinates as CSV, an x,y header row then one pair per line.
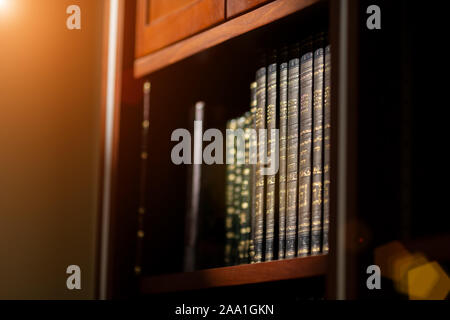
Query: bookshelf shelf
x,y
230,29
236,275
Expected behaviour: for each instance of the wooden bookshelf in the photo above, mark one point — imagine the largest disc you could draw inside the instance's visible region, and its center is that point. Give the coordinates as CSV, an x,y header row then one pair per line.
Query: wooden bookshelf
x,y
235,27
236,275
378,193
202,66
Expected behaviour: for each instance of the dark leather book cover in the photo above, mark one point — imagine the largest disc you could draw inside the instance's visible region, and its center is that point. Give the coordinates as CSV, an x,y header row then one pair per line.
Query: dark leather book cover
x,y
292,152
271,116
327,154
238,192
238,184
245,193
260,178
305,158
229,196
253,161
283,106
317,153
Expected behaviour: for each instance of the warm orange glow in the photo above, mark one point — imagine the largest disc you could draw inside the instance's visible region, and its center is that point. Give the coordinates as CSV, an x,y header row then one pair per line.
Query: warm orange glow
x,y
412,273
5,6
428,282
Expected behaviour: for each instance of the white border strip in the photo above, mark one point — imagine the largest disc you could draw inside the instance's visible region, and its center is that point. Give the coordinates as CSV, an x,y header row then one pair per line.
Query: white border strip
x,y
109,130
342,153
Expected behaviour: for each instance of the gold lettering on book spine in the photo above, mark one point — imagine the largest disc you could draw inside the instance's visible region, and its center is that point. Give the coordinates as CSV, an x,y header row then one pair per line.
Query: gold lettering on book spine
x,y
245,194
327,144
229,195
239,187
283,160
259,196
317,172
292,157
306,114
253,160
270,194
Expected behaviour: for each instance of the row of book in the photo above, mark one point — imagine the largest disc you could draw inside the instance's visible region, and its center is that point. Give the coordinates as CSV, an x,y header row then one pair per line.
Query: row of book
x,y
284,213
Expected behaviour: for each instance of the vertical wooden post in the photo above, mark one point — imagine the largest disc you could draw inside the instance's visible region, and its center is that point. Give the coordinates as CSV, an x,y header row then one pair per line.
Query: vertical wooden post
x,y
344,26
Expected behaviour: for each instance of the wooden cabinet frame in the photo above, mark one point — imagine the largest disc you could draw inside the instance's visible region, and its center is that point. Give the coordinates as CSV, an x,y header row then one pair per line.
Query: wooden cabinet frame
x,y
183,22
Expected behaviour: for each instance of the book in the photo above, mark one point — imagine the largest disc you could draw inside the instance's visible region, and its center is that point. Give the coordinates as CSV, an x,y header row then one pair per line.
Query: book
x,y
271,116
229,197
238,186
245,193
189,262
283,105
292,152
253,160
284,213
260,178
317,153
305,155
327,145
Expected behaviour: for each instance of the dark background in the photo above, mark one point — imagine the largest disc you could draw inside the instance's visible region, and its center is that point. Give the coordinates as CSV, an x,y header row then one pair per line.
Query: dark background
x,y
402,122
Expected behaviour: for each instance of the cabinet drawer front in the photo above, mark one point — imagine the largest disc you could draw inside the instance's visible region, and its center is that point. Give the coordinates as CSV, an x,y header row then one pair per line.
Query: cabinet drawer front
x,y
235,7
160,23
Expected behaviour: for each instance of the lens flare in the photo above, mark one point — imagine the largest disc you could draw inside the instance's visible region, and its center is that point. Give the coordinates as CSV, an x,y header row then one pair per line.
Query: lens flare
x,y
4,4
7,8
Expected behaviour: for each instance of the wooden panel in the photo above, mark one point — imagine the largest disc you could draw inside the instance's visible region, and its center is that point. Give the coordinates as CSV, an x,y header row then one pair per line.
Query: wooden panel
x,y
159,9
235,7
163,22
343,272
228,30
125,154
237,275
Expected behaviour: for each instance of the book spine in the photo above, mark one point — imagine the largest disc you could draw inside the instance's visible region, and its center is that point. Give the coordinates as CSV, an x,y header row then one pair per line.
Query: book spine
x,y
317,160
245,206
327,154
283,149
143,179
194,193
260,179
304,200
271,115
253,161
238,184
292,156
229,198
